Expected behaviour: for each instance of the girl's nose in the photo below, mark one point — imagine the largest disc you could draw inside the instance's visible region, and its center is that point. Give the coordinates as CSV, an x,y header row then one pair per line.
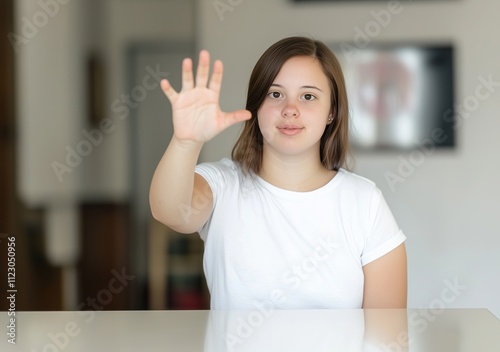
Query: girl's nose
x,y
290,111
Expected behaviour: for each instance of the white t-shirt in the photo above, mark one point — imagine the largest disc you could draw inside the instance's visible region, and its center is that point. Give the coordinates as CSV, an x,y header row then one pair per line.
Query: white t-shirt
x,y
267,247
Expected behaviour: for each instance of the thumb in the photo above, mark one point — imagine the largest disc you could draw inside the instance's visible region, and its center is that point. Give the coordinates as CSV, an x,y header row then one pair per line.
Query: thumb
x,y
168,90
231,118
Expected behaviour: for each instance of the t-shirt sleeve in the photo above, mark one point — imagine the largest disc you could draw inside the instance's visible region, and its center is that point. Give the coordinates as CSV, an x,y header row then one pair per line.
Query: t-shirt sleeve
x,y
383,233
211,174
217,175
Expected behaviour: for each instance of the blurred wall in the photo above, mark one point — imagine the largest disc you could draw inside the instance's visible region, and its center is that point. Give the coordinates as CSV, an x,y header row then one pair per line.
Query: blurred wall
x,y
50,63
126,22
52,77
448,204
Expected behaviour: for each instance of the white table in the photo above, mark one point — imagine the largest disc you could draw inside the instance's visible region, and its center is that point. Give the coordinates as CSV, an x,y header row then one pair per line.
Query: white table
x,y
454,330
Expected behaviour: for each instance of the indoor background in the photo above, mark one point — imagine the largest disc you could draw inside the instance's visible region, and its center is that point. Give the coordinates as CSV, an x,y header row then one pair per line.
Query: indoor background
x,y
84,123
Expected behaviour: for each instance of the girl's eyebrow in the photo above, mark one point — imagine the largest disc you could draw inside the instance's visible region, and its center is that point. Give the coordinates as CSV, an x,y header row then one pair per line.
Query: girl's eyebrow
x,y
309,87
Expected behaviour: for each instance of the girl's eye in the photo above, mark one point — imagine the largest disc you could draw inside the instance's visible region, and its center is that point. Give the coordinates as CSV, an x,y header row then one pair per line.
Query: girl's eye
x,y
274,95
308,97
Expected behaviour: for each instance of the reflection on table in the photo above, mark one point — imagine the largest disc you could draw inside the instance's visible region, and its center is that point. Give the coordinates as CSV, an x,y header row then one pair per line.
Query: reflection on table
x,y
457,330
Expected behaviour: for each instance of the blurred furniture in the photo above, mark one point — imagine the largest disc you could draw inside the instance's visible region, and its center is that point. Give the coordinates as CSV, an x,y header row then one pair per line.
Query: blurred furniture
x,y
175,273
105,243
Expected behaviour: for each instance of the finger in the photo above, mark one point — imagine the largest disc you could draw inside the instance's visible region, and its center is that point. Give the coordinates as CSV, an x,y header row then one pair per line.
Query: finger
x,y
187,74
231,118
168,90
203,68
216,79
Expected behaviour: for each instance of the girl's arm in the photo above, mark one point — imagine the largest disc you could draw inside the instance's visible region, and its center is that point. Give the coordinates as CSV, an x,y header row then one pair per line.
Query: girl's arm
x,y
386,281
197,118
173,187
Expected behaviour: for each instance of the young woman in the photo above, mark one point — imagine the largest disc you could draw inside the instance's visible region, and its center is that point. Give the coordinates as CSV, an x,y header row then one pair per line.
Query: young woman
x,y
285,224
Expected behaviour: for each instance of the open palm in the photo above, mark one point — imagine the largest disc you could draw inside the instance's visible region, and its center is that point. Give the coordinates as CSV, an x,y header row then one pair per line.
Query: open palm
x,y
196,110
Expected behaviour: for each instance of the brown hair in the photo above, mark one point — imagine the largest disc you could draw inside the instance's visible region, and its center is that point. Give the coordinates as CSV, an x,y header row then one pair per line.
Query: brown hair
x,y
248,149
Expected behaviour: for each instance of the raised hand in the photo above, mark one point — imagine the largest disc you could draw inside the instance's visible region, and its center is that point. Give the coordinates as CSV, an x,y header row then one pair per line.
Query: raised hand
x,y
196,110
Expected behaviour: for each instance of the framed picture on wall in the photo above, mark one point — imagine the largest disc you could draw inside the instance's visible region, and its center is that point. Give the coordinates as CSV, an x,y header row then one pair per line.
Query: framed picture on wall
x,y
401,95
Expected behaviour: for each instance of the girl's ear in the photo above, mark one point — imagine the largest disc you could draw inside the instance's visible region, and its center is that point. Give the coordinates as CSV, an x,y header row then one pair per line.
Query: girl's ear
x,y
330,118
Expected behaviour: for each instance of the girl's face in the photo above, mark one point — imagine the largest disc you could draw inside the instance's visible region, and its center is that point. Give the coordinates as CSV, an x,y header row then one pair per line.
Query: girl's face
x,y
295,112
